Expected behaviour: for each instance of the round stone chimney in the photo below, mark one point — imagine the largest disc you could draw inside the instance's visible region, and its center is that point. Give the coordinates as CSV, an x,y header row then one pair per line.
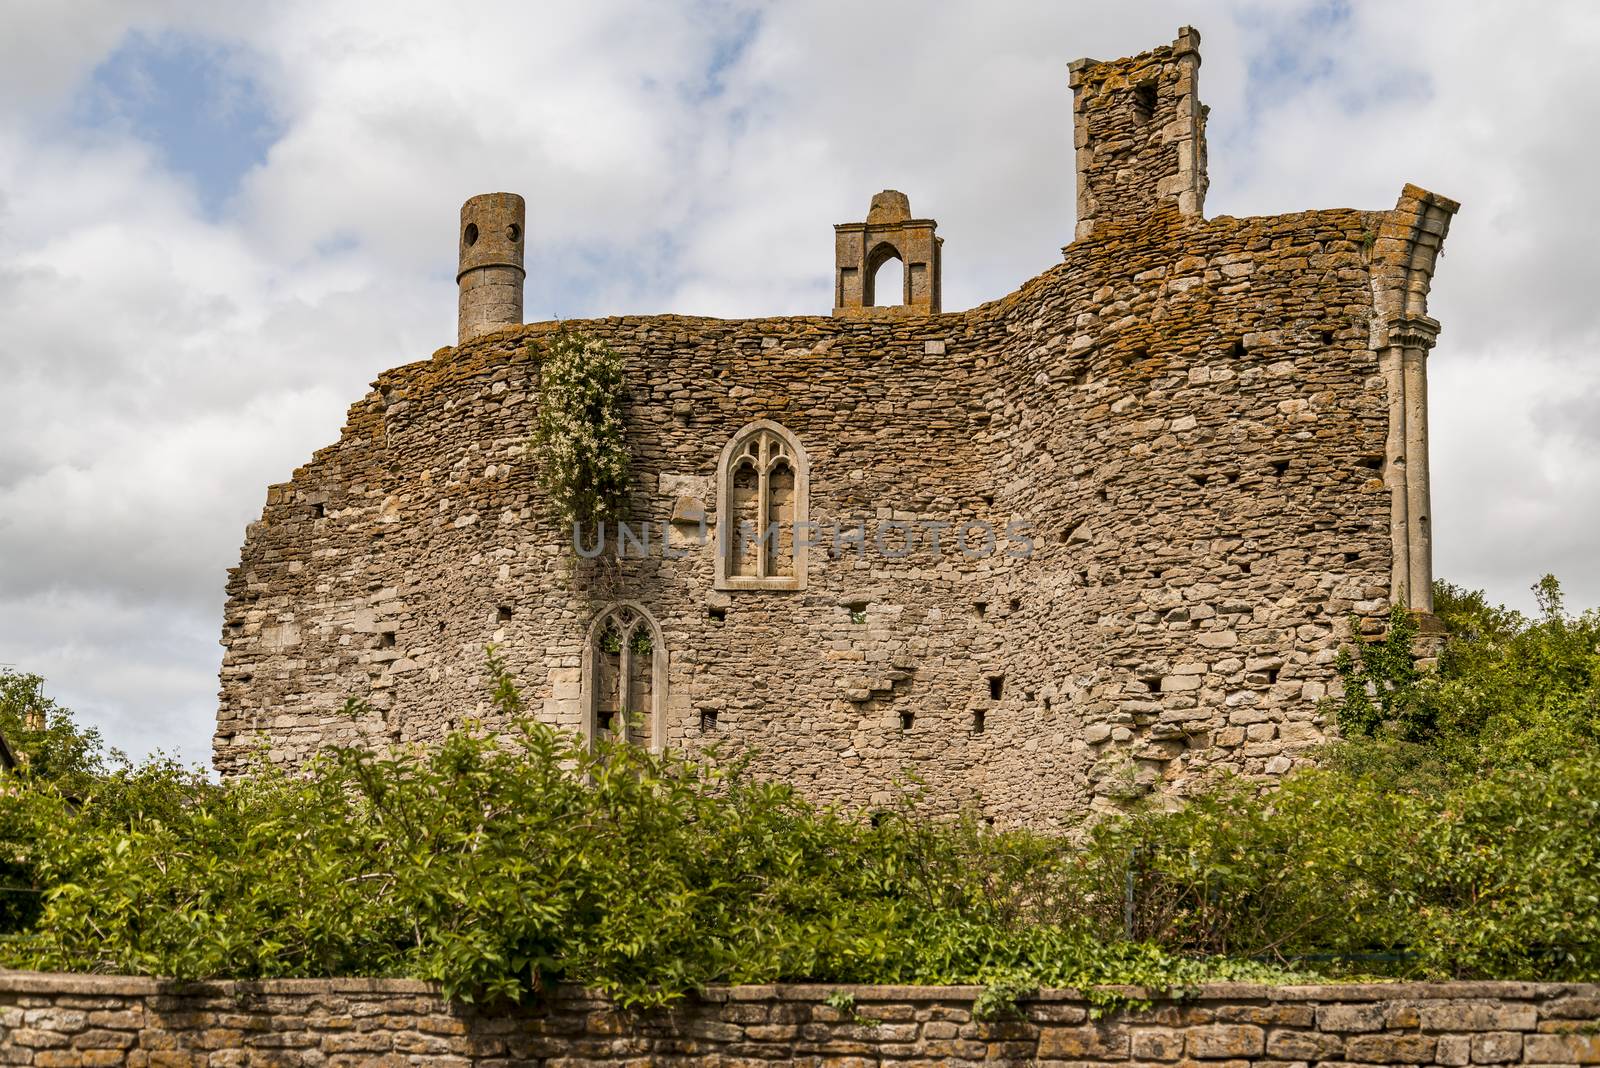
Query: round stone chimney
x,y
489,270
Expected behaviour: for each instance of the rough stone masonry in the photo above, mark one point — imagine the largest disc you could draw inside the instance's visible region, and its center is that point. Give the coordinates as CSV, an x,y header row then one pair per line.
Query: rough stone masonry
x,y
1098,538
68,1021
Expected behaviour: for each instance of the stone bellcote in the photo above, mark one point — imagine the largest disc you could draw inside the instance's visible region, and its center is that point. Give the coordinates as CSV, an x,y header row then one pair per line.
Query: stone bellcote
x,y
1140,134
889,233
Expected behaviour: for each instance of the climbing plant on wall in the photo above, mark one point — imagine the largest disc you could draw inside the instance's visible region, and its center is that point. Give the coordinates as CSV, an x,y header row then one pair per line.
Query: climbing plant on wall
x,y
578,442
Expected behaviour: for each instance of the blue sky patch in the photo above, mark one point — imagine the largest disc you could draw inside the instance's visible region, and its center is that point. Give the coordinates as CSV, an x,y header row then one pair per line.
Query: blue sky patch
x,y
195,101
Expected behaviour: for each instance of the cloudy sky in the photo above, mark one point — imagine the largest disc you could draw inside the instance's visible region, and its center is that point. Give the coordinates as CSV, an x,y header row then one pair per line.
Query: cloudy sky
x,y
219,221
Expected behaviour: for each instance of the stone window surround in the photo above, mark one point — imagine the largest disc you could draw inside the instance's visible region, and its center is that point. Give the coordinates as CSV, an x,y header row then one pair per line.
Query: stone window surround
x,y
726,539
658,672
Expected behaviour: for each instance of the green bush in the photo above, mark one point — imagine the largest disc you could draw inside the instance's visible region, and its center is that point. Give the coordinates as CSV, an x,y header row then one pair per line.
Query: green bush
x,y
1508,692
44,737
499,863
1495,878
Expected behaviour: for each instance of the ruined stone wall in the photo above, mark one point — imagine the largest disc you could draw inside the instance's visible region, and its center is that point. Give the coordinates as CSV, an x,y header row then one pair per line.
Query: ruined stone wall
x,y
1202,445
69,1021
1188,416
1193,414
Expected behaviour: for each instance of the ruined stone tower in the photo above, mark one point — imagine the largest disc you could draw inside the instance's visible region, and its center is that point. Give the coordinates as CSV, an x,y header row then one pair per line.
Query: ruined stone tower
x,y
489,274
1139,132
1098,539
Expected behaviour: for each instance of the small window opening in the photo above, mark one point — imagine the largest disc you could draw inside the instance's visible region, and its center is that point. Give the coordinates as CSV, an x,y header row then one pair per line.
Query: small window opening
x,y
1280,467
717,615
1016,603
1144,101
1244,567
980,608
876,819
997,687
603,718
319,510
1372,463
708,719
1105,494
470,236
906,720
1199,478
386,640
1152,683
1047,704
1272,675
1351,558
978,717
858,612
988,500
1238,351
441,626
1327,337
503,614
988,821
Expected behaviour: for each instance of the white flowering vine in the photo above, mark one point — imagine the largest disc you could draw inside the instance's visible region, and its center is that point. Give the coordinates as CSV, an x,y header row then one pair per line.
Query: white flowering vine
x,y
578,441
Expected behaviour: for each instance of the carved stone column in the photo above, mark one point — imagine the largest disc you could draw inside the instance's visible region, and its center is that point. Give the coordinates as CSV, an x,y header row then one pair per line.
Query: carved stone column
x,y
1404,363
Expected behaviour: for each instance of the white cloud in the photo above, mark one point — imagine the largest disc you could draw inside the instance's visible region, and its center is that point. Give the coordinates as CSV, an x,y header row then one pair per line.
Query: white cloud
x,y
164,363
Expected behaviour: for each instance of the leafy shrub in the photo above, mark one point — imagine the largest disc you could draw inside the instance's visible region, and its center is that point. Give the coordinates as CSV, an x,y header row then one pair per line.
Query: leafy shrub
x,y
1497,877
1508,691
497,864
44,736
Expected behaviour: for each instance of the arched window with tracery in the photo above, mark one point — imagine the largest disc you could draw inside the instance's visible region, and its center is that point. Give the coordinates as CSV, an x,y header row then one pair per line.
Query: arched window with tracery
x,y
625,678
762,509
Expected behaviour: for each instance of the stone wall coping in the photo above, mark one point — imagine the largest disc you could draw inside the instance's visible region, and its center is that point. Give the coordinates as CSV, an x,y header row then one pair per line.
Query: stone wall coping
x,y
22,982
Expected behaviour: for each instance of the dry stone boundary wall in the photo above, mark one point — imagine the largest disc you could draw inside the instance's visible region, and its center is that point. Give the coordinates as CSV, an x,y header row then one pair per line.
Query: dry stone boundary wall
x,y
73,1020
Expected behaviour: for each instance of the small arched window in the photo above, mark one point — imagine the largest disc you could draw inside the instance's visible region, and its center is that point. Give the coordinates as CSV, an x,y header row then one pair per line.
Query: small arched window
x,y
886,277
762,510
625,678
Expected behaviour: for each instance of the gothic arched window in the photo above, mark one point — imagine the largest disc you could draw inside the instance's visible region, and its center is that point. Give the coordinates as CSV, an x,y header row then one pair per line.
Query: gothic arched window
x,y
625,678
762,505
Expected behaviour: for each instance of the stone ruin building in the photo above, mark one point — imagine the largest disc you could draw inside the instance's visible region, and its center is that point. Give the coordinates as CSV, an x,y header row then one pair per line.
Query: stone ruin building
x,y
1199,446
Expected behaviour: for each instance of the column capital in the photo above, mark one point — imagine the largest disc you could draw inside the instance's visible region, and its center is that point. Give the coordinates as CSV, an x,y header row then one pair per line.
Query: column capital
x,y
1411,331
